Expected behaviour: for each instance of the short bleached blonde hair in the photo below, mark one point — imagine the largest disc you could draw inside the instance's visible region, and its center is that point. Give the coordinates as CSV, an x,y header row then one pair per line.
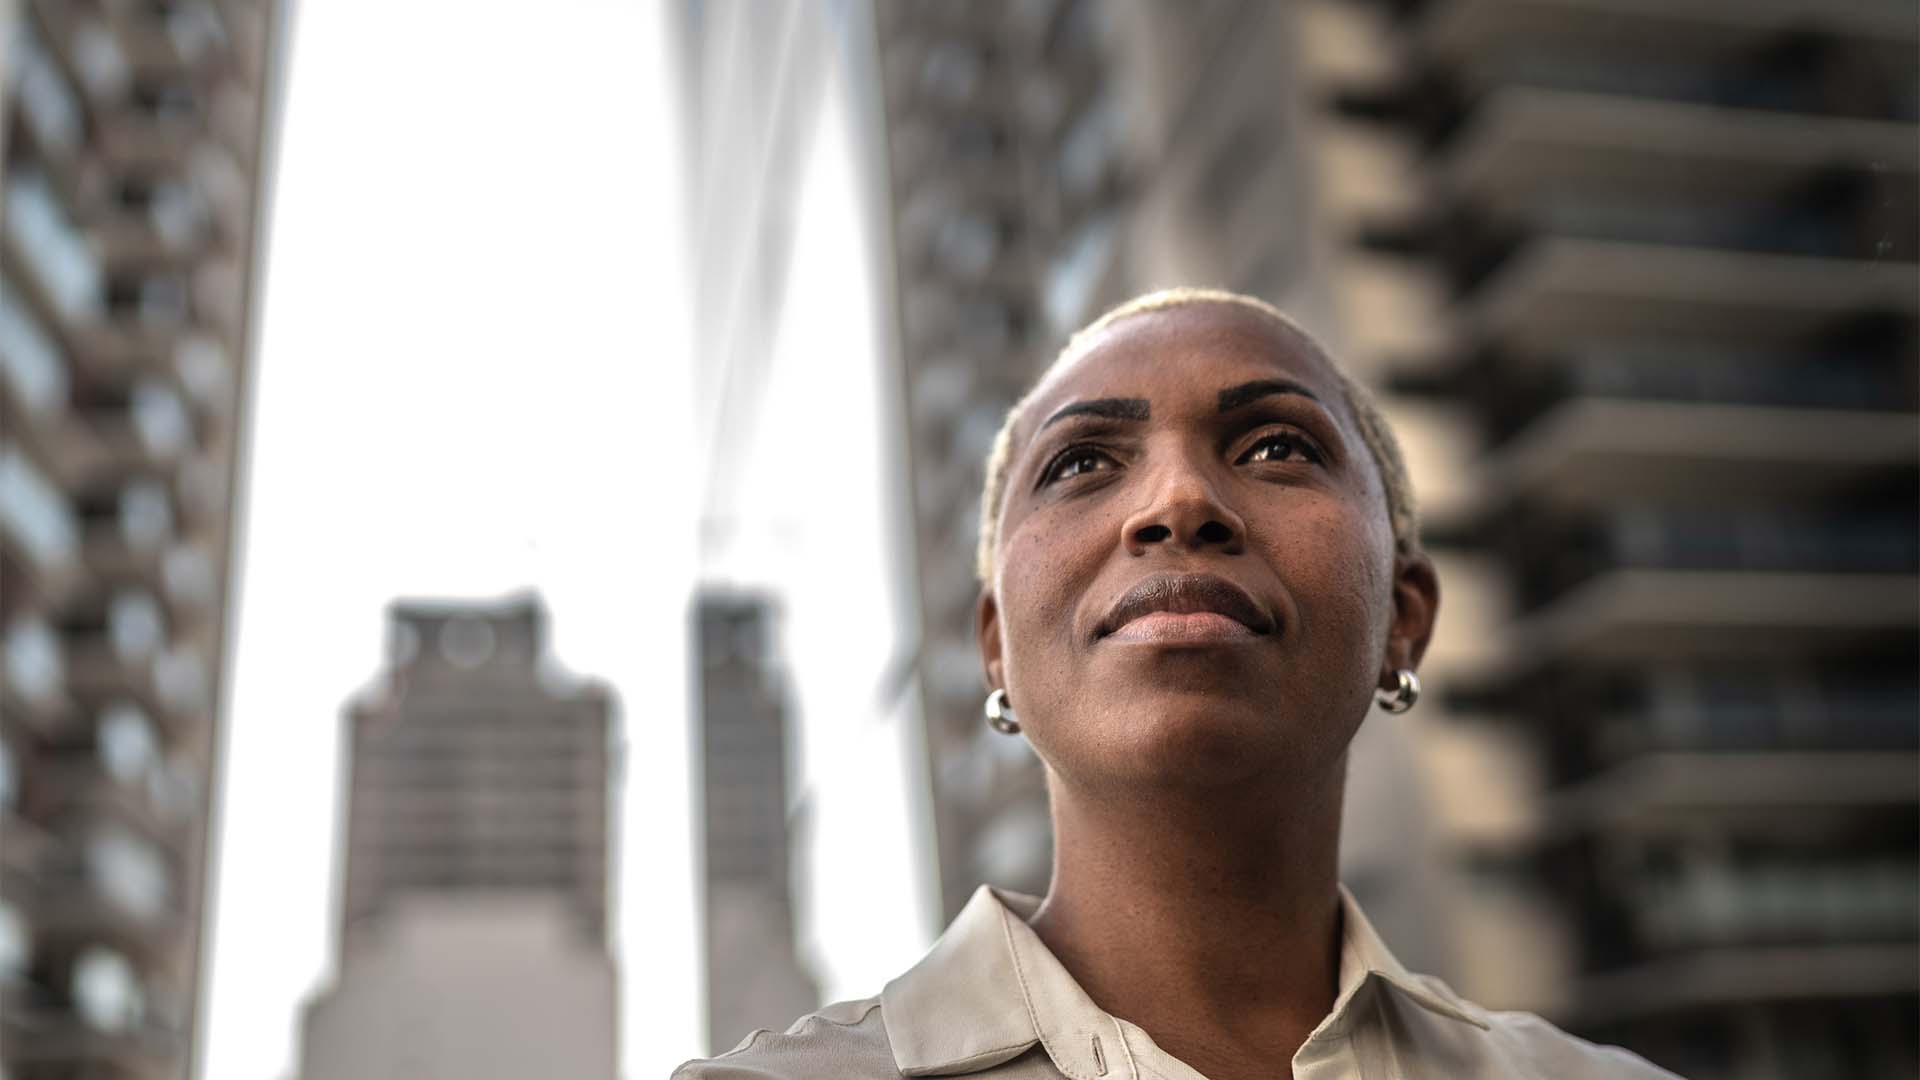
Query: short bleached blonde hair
x,y
1374,429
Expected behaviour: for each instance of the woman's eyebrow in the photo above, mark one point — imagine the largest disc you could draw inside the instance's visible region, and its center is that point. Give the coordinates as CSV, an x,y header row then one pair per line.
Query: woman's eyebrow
x,y
1235,396
1112,408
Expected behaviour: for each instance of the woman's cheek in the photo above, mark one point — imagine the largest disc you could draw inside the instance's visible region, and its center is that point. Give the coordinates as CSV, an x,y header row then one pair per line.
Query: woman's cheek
x,y
1314,552
1047,563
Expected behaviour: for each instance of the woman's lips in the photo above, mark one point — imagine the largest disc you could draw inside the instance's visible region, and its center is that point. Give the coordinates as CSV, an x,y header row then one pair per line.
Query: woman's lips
x,y
1184,609
1182,628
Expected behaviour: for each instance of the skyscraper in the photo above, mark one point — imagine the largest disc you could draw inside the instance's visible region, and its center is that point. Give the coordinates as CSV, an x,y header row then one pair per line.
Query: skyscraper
x,y
473,921
754,979
131,188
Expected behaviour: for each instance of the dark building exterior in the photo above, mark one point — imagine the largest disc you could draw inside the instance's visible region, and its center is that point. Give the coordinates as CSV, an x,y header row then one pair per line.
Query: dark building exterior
x,y
753,977
1637,285
131,188
1676,252
473,930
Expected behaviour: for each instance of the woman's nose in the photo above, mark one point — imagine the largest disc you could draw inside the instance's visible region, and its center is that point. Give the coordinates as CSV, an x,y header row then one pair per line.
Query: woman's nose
x,y
1185,513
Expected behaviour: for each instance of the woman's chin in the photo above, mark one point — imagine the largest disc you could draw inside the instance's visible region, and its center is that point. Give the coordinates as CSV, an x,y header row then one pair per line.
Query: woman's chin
x,y
1195,740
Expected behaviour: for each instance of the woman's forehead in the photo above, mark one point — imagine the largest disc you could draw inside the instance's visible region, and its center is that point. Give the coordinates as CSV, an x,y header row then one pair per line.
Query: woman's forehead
x,y
1196,349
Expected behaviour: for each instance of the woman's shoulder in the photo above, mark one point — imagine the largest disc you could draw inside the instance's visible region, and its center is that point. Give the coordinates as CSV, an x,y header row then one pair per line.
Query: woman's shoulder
x,y
845,1039
1526,1044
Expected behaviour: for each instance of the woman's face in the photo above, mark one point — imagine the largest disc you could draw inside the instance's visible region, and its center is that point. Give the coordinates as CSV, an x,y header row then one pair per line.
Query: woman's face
x,y
1197,582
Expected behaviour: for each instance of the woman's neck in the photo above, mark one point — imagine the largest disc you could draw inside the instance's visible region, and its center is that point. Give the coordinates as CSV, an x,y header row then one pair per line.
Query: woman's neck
x,y
1210,920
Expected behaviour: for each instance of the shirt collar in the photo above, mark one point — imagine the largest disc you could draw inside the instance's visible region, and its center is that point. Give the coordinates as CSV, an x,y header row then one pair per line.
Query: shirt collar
x,y
990,990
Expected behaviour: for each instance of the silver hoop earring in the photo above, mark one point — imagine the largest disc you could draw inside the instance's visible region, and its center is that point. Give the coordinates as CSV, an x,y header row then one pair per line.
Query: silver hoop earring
x,y
999,716
1403,696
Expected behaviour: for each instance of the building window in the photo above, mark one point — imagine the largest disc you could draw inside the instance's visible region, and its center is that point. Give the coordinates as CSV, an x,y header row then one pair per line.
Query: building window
x,y
135,625
125,741
33,365
1075,276
146,515
34,512
59,254
128,871
180,678
106,992
161,419
33,662
50,104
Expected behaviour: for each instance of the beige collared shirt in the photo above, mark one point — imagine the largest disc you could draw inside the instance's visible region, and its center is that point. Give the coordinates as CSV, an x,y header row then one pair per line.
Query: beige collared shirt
x,y
991,1000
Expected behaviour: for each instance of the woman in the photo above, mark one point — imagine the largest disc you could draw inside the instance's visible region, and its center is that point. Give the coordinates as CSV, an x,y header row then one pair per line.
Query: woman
x,y
1199,566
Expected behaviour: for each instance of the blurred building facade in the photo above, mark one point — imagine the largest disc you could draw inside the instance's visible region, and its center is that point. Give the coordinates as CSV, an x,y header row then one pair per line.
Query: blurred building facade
x,y
473,920
1670,252
754,978
803,622
1638,285
130,195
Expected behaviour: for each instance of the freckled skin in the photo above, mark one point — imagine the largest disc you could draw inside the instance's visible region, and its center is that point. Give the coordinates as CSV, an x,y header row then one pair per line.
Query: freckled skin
x,y
1196,791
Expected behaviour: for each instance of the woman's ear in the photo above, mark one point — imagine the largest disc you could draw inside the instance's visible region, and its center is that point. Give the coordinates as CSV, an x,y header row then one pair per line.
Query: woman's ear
x,y
987,629
1416,603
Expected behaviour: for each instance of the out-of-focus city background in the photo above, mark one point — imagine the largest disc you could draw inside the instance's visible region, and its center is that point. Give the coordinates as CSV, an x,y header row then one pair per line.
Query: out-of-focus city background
x,y
488,491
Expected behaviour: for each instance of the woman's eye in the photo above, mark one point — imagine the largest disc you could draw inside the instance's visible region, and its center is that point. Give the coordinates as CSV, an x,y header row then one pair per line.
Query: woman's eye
x,y
1280,448
1075,462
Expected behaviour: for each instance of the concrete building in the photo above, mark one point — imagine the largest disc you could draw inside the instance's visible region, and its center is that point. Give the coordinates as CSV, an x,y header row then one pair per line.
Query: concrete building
x,y
1667,259
473,923
132,168
754,979
1638,285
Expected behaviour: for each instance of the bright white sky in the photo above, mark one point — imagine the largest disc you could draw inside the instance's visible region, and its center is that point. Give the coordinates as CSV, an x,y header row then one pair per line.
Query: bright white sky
x,y
473,377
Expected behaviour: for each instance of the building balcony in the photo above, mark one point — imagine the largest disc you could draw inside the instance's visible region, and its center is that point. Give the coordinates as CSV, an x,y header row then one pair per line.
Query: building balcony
x,y
79,787
123,349
26,845
130,143
179,574
1524,143
52,119
1553,555
106,881
50,1038
199,489
1560,290
1603,452
39,531
113,443
1471,32
1682,790
148,241
184,39
216,175
1763,708
1648,616
33,659
126,530
234,119
1720,978
47,257
246,24
168,684
949,72
1687,898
